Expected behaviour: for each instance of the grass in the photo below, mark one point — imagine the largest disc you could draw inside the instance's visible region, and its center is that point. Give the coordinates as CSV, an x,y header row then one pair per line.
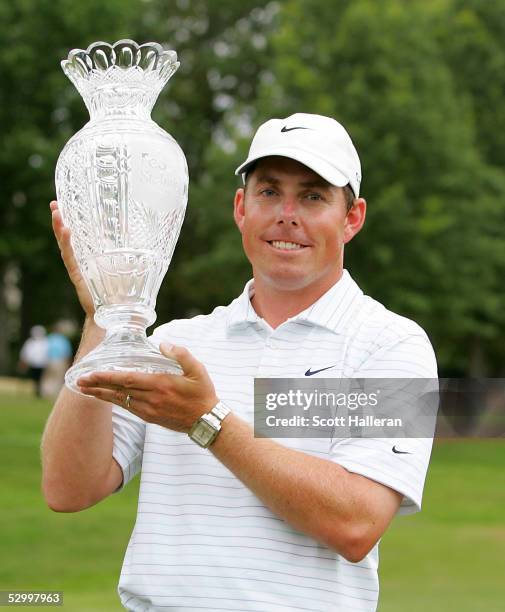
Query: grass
x,y
81,553
450,556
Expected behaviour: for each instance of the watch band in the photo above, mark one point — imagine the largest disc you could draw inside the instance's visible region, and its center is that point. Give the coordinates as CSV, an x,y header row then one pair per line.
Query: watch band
x,y
212,420
220,411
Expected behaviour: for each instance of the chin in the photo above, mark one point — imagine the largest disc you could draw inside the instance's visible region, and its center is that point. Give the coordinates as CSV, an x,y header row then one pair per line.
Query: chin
x,y
286,282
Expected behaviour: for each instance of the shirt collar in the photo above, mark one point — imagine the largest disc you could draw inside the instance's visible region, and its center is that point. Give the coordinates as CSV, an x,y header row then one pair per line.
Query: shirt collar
x,y
332,310
241,311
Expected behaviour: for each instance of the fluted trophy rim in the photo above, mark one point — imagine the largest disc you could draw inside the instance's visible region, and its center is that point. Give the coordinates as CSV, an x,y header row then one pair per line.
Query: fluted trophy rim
x,y
101,59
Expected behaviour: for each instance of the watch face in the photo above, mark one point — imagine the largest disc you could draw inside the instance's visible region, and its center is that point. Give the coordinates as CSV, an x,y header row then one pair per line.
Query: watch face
x,y
203,434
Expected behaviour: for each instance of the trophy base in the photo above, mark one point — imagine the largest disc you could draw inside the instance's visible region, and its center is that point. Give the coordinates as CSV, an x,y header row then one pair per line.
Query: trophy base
x,y
124,350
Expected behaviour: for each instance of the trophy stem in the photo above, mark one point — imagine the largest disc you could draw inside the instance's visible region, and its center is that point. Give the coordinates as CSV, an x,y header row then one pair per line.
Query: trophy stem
x,y
125,347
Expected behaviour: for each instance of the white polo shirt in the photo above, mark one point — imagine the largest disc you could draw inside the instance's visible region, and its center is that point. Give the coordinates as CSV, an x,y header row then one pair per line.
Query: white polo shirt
x,y
202,540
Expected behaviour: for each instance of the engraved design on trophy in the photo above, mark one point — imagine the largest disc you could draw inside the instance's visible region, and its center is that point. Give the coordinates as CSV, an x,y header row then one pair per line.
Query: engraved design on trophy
x,y
122,185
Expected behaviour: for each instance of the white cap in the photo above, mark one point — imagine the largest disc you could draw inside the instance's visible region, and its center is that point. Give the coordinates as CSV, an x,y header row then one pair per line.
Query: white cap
x,y
320,143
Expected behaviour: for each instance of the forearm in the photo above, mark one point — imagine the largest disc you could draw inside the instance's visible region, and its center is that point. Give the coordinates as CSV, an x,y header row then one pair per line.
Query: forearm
x,y
345,511
313,495
91,337
77,442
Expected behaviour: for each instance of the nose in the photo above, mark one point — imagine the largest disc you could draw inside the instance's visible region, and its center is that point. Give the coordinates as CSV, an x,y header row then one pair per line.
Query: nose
x,y
288,211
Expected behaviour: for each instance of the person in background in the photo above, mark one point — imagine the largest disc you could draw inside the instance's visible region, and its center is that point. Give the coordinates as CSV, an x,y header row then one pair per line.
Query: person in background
x,y
59,354
33,356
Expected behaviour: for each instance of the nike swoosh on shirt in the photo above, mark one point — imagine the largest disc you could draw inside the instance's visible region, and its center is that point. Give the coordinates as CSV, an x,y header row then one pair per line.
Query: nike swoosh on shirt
x,y
311,373
399,452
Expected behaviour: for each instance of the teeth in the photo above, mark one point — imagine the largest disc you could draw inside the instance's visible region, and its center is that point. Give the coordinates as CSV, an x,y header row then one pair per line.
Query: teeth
x,y
280,244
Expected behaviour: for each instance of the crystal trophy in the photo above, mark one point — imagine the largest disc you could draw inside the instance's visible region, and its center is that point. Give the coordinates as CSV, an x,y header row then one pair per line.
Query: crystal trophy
x,y
122,186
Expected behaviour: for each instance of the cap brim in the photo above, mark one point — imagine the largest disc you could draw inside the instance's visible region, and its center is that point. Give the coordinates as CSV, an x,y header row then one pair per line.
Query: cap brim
x,y
314,163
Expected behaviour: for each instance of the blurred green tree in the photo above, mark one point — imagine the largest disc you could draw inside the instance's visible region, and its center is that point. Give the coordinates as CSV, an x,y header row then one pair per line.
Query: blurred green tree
x,y
223,47
40,110
419,86
37,115
431,248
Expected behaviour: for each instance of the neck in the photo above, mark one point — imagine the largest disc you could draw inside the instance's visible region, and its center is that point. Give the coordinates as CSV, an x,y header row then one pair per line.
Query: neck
x,y
276,305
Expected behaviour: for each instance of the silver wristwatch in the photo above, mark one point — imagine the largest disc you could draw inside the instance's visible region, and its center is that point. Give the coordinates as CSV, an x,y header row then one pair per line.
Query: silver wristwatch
x,y
205,430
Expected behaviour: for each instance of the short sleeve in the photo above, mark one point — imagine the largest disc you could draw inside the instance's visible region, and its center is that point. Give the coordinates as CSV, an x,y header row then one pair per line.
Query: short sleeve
x,y
403,470
399,463
129,434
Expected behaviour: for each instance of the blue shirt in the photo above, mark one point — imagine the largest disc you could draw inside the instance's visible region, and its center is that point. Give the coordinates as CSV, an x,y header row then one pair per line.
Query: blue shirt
x,y
59,347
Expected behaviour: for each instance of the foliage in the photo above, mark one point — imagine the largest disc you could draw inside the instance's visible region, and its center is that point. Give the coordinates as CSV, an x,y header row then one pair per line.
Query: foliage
x,y
419,85
38,113
40,110
431,248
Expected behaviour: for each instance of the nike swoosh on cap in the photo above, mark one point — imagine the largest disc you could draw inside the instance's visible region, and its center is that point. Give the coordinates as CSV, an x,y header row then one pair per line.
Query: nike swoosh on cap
x,y
286,129
311,373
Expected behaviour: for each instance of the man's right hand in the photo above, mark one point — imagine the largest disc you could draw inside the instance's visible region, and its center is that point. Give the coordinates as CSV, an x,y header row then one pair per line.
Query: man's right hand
x,y
62,234
78,469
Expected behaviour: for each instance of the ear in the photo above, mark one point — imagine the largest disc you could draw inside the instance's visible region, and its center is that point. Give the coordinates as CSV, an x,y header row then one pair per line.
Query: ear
x,y
355,219
239,208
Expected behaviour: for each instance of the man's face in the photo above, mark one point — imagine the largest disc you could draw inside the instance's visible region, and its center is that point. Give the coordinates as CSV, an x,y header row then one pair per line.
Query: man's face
x,y
294,225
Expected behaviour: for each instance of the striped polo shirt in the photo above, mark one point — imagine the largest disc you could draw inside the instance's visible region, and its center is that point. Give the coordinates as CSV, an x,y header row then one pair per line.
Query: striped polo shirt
x,y
202,540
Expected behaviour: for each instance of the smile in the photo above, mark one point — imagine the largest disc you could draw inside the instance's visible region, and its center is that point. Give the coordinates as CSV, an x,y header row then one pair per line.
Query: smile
x,y
286,246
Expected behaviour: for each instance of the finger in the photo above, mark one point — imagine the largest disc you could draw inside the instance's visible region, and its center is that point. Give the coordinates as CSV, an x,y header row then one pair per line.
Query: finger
x,y
57,223
190,366
63,237
136,404
66,245
61,231
57,220
130,381
62,234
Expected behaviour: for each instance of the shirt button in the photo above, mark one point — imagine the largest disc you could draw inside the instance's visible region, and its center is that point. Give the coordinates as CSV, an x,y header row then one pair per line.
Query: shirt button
x,y
272,344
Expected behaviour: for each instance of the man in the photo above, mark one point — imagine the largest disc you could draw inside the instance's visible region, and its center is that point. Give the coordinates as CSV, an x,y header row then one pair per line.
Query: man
x,y
59,354
33,356
248,523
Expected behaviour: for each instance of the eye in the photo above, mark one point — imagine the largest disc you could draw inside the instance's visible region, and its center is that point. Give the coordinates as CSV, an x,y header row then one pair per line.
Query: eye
x,y
314,196
268,192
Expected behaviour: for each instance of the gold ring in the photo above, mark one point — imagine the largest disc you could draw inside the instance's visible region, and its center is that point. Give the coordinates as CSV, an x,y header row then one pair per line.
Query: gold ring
x,y
127,400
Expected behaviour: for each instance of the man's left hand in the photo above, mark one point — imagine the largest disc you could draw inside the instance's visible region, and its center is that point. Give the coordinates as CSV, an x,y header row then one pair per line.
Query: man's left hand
x,y
169,400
